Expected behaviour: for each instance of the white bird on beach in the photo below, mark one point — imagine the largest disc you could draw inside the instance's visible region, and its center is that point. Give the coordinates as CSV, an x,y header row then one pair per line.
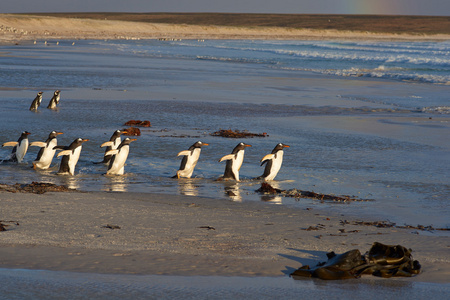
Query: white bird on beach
x,y
20,147
47,151
273,162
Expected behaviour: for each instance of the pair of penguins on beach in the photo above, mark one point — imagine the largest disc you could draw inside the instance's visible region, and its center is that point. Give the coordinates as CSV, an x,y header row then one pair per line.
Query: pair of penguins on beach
x,y
117,152
54,101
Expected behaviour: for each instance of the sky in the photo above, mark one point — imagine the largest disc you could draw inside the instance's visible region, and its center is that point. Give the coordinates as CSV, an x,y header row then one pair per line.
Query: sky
x,y
389,7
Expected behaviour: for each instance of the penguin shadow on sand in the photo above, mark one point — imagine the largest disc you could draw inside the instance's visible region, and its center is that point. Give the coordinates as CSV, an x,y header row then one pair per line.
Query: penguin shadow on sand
x,y
313,258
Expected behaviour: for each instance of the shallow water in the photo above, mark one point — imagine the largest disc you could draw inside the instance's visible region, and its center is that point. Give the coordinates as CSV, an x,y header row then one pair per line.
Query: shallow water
x,y
381,139
25,284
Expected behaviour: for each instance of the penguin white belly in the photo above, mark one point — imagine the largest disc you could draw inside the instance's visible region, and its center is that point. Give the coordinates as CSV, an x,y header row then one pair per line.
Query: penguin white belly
x,y
21,150
191,162
47,156
237,163
276,166
73,160
118,165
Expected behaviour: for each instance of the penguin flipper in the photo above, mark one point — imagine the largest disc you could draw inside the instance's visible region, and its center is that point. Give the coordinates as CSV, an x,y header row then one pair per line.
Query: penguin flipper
x,y
227,157
10,144
64,152
107,144
112,152
267,157
60,148
184,152
38,144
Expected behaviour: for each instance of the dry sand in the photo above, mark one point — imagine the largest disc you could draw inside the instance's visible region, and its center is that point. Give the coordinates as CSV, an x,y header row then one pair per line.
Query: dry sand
x,y
185,235
17,28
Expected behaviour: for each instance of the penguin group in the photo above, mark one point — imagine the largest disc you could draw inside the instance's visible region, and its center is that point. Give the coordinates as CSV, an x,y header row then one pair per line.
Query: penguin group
x,y
54,101
117,151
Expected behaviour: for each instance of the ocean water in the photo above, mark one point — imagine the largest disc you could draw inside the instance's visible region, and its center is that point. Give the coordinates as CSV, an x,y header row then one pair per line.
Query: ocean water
x,y
365,119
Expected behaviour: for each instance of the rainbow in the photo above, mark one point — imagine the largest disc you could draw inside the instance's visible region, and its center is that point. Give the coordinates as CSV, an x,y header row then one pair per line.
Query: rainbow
x,y
373,7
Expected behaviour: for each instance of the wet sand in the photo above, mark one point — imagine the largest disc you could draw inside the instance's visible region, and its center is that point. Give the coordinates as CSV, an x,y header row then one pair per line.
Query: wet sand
x,y
18,28
132,233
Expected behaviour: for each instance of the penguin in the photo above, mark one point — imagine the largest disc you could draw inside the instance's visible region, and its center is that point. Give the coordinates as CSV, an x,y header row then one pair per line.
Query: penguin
x,y
112,144
36,102
55,100
119,157
190,159
273,162
47,151
20,147
70,156
234,162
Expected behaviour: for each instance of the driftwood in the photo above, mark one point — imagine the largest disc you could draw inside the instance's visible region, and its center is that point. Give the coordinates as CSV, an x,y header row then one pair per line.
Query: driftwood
x,y
35,187
228,133
381,260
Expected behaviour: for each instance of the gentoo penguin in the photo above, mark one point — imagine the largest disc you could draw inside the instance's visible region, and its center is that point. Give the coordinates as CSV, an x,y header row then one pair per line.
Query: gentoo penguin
x,y
55,100
190,159
273,162
70,154
47,151
112,144
119,157
20,147
36,102
234,162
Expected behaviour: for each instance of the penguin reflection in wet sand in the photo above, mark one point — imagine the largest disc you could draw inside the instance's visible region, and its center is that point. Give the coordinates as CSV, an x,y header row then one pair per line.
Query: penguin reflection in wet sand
x,y
273,162
190,159
119,157
70,156
20,147
36,102
112,144
234,162
47,151
55,100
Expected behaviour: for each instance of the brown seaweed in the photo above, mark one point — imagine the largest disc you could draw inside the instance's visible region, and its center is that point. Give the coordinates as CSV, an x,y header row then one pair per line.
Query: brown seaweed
x,y
132,131
381,260
138,123
35,187
295,193
228,133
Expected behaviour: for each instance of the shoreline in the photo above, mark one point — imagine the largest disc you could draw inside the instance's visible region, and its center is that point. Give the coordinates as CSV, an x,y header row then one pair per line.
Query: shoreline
x,y
15,29
156,234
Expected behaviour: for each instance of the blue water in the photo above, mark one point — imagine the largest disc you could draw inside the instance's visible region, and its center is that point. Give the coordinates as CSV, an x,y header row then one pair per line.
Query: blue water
x,y
368,119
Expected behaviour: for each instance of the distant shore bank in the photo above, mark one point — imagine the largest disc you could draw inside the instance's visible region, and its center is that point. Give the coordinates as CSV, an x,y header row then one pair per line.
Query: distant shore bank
x,y
15,28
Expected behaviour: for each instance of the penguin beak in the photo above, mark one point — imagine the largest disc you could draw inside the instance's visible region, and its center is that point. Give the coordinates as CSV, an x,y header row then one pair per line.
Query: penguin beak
x,y
85,140
247,145
205,144
58,133
132,140
286,146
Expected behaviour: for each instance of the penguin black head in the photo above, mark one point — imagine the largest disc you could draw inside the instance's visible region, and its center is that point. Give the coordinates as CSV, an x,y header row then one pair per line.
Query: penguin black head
x,y
25,134
127,141
118,133
78,142
279,147
199,144
53,134
56,93
240,146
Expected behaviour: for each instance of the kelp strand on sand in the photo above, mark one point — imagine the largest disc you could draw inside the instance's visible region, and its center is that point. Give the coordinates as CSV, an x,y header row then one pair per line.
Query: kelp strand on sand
x,y
34,187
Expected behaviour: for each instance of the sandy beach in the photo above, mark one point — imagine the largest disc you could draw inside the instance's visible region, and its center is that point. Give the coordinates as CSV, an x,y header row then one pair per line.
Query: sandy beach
x,y
132,233
16,28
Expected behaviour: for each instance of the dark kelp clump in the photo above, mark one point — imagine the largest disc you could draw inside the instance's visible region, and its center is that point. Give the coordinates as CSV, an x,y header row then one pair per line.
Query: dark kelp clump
x,y
138,123
381,260
237,134
295,193
34,187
